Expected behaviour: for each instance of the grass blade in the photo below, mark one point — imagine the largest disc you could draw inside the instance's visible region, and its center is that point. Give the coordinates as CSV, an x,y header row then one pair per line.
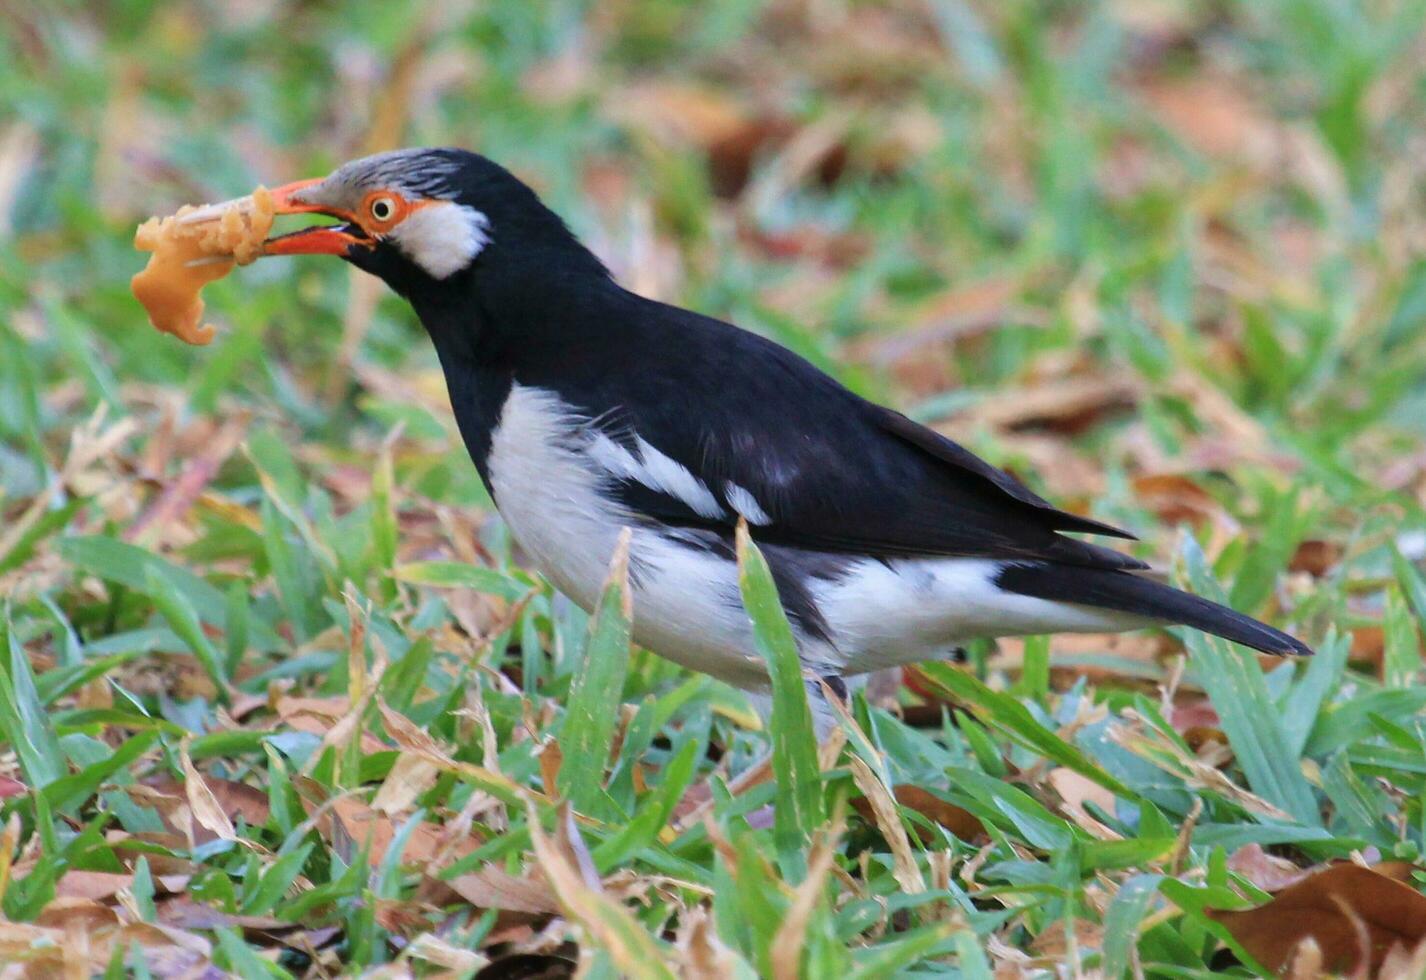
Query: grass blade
x,y
181,618
1121,922
1236,686
458,575
798,811
1012,719
587,734
23,718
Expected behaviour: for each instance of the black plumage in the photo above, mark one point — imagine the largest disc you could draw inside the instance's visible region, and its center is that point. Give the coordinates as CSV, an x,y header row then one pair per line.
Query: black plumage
x,y
687,423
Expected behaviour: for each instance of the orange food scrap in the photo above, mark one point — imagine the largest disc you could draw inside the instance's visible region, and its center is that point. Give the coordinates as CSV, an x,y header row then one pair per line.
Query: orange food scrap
x,y
188,256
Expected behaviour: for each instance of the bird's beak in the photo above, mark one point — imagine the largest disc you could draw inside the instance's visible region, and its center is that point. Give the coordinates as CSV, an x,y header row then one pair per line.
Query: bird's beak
x,y
322,240
287,199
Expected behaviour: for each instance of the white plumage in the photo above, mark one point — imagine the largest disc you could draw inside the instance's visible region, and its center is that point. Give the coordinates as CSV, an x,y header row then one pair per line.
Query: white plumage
x,y
442,237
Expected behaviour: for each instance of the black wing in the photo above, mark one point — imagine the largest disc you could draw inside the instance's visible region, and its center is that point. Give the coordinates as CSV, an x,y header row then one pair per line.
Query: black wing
x,y
809,463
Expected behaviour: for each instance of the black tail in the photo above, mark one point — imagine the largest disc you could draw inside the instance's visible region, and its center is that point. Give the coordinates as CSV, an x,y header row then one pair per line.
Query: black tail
x,y
1129,593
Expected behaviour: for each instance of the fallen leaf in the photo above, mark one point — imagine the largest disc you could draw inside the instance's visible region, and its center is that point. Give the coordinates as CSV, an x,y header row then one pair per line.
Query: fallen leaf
x,y
202,801
491,888
320,726
877,808
1271,874
1323,906
431,948
1315,557
1056,943
1074,791
1368,645
551,759
1065,405
1175,498
361,823
409,777
1200,726
957,820
93,885
184,913
1214,115
234,799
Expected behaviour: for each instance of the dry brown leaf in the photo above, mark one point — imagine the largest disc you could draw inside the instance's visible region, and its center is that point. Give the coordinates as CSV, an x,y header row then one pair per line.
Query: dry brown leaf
x,y
570,842
551,759
679,112
877,807
410,776
1056,943
606,919
431,948
9,839
957,820
1074,791
329,708
182,912
1315,557
1199,724
1368,645
202,801
491,888
705,957
1175,498
1271,874
1214,115
1067,405
1323,906
76,937
361,823
92,885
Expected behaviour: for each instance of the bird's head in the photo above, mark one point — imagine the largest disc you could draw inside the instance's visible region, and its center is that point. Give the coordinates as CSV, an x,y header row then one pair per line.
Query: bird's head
x,y
417,217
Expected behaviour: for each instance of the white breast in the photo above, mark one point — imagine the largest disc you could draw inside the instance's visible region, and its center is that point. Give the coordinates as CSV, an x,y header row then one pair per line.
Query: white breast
x,y
547,467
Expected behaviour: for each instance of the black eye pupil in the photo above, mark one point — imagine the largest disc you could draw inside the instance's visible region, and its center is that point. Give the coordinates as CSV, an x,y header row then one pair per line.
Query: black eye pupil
x,y
381,209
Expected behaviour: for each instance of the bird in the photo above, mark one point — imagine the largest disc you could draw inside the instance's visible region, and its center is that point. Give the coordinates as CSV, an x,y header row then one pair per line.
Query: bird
x,y
588,409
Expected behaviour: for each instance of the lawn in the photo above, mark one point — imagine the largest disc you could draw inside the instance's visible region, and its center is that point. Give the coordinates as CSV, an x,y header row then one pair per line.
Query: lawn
x,y
278,699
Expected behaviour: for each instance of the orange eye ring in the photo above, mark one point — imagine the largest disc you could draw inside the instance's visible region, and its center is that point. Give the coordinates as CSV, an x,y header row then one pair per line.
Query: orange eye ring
x,y
383,210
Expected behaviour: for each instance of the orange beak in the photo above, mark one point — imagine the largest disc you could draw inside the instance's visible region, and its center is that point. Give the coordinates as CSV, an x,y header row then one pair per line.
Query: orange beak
x,y
324,240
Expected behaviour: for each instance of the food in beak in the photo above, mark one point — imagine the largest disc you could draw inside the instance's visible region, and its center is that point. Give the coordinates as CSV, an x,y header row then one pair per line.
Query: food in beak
x,y
192,248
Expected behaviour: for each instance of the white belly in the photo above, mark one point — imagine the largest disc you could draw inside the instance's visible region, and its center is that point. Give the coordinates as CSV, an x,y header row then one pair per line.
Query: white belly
x,y
546,487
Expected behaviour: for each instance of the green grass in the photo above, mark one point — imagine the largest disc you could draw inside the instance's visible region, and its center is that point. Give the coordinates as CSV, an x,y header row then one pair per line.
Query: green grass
x,y
1164,263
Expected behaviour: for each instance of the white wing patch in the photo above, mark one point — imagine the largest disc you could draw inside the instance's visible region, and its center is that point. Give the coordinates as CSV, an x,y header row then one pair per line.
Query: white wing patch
x,y
657,472
442,237
742,501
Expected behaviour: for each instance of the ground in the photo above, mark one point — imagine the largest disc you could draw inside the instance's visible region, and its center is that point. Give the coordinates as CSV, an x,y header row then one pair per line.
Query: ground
x,y
277,696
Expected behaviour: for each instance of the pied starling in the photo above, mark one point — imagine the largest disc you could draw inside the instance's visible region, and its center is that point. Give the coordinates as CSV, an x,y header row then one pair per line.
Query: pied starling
x,y
588,409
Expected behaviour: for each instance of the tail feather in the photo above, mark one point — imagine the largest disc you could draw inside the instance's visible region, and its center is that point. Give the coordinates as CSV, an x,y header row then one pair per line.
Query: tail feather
x,y
1128,593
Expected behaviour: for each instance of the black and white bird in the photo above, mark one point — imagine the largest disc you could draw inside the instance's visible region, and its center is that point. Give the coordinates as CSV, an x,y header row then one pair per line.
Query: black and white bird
x,y
588,409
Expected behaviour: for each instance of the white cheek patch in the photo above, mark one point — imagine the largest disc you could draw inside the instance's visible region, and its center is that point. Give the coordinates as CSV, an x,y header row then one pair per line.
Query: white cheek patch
x,y
443,237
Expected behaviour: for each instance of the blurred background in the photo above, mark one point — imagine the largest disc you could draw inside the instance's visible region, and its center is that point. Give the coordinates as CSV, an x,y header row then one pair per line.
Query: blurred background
x,y
1161,259
1163,256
